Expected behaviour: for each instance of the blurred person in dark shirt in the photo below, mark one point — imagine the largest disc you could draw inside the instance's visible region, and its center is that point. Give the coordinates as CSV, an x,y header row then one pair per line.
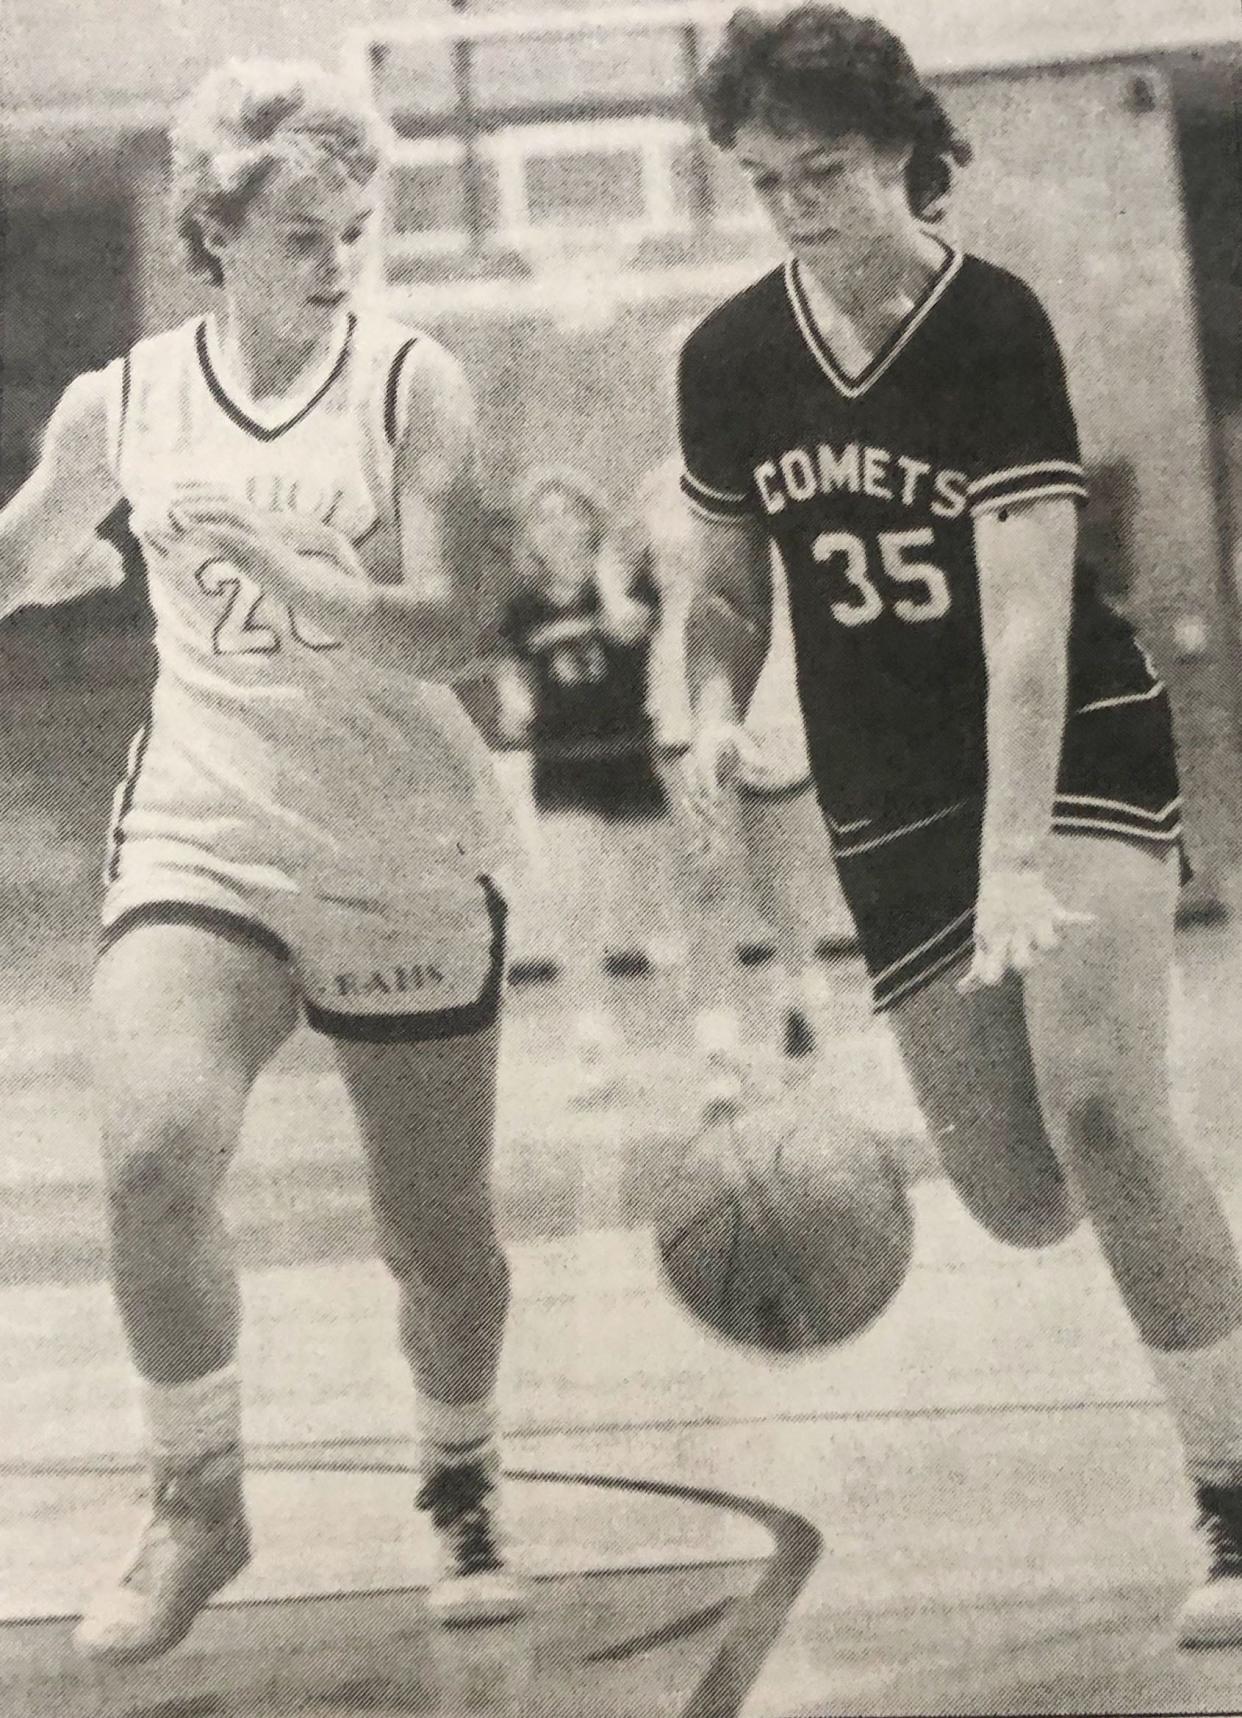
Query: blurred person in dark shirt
x,y
575,690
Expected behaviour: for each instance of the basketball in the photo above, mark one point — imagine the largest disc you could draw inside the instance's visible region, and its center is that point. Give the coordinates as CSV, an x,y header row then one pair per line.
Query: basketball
x,y
786,1232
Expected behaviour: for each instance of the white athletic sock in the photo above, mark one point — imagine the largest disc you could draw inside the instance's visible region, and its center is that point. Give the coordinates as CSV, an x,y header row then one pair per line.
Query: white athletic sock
x,y
185,1422
1203,1388
453,1433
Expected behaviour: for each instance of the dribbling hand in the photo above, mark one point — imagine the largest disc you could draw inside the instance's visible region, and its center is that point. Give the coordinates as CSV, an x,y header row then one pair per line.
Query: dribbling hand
x,y
1018,920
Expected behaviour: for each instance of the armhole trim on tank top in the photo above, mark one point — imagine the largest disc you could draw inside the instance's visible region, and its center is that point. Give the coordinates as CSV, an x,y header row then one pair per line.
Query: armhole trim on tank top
x,y
394,383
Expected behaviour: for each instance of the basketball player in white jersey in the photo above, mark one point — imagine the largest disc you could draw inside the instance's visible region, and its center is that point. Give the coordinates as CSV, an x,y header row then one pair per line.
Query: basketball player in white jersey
x,y
786,861
309,822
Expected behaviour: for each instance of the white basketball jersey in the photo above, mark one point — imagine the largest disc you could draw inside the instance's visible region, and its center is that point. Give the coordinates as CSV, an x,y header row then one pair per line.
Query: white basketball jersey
x,y
265,723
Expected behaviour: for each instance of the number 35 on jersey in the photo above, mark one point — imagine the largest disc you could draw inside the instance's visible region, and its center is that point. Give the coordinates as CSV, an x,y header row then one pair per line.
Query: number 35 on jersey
x,y
893,573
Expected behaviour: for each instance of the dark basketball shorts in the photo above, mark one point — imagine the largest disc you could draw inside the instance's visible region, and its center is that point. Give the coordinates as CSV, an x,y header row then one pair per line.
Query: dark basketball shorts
x,y
621,787
366,968
911,878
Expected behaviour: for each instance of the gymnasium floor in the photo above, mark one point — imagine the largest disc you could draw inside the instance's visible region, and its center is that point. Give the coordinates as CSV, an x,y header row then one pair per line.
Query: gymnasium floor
x,y
975,1508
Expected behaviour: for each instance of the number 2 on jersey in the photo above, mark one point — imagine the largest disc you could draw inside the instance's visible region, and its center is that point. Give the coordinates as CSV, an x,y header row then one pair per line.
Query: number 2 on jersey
x,y
241,629
927,588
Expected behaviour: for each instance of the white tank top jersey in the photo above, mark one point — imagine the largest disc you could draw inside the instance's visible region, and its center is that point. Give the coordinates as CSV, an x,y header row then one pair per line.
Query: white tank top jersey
x,y
278,740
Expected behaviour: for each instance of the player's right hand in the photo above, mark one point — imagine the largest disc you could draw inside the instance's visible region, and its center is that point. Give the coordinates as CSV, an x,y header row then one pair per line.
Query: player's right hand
x,y
710,768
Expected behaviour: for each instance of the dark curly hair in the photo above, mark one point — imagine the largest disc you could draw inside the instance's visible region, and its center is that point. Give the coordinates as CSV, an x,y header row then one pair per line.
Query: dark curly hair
x,y
822,68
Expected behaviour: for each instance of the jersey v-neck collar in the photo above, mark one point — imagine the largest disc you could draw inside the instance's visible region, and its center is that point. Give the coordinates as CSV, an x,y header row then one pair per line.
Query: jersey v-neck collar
x,y
853,387
237,403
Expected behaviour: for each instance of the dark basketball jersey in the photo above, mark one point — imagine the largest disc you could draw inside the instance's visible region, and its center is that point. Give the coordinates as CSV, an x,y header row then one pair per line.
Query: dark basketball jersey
x,y
870,486
589,689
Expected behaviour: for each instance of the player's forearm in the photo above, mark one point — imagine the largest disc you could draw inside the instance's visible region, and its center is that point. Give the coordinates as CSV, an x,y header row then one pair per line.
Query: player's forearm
x,y
1026,579
1027,689
53,514
19,575
33,551
387,624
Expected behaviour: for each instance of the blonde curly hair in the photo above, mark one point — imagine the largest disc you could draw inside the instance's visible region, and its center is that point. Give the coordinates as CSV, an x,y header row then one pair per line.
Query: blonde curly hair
x,y
249,117
575,486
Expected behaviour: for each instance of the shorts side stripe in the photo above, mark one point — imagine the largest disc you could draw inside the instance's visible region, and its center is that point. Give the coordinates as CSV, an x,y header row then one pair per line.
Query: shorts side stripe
x,y
877,978
896,834
916,980
123,414
138,749
390,392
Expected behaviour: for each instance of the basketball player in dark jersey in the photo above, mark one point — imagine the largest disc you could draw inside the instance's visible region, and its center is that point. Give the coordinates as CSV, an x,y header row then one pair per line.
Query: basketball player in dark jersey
x,y
992,749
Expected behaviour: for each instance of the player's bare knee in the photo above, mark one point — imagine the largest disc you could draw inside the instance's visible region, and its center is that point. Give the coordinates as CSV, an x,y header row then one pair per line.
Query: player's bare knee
x,y
1047,1224
1097,1122
1027,1220
168,1169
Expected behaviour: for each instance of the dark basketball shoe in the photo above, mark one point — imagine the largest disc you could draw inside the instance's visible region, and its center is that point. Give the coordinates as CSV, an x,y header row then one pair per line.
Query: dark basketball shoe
x,y
194,1542
1212,1615
473,1585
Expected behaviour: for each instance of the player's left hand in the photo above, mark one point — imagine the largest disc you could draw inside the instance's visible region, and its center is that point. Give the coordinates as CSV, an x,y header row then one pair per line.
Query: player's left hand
x,y
204,509
242,531
1018,920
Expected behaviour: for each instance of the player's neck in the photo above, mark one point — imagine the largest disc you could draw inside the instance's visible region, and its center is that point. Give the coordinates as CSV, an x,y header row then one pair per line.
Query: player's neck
x,y
270,360
877,290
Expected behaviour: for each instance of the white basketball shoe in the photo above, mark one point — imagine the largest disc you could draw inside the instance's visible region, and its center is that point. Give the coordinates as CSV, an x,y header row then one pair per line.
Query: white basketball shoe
x,y
194,1542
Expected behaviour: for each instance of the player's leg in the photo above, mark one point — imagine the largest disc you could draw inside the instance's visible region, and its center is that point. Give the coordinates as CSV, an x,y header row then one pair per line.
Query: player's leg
x,y
969,1062
1099,1019
647,908
911,885
707,885
423,1089
793,880
183,1019
584,882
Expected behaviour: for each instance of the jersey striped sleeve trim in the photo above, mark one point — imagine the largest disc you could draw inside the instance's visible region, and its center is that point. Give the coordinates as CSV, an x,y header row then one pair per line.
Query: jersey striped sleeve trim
x,y
714,503
1027,483
392,393
1117,817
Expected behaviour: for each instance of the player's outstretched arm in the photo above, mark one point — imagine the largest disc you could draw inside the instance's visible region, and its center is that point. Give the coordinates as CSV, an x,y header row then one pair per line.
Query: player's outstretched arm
x,y
70,490
1025,556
